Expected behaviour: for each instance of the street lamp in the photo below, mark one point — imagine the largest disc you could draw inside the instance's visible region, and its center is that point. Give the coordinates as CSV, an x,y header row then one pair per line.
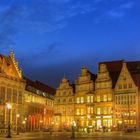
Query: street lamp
x,y
41,122
9,107
17,126
25,124
73,130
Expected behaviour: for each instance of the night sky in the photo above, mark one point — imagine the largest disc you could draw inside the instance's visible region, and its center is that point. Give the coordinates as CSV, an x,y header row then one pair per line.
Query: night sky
x,y
53,37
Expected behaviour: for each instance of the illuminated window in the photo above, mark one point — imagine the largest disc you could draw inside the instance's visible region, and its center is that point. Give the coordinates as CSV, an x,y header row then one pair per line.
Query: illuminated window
x,y
88,99
78,111
82,111
98,110
104,98
91,99
90,110
77,100
82,99
105,110
98,98
109,97
109,110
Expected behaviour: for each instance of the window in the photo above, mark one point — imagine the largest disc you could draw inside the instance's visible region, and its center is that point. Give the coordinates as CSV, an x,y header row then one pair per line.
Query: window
x,y
82,99
130,85
98,110
2,94
109,110
9,93
58,100
82,111
90,110
125,86
70,99
64,100
109,97
120,86
105,110
104,98
89,99
77,100
98,98
14,95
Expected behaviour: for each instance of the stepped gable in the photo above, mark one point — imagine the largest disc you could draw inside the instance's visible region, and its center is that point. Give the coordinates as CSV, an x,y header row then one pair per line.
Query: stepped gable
x,y
114,68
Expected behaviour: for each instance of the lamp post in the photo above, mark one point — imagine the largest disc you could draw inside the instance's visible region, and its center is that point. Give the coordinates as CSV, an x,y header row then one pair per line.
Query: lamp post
x,y
25,124
9,107
73,130
40,126
17,125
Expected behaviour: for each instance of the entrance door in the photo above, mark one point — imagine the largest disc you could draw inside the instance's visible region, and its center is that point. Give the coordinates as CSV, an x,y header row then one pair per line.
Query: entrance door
x,y
98,124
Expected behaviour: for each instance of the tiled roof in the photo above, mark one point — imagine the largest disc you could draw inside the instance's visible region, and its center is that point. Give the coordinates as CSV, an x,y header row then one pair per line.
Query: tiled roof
x,y
134,68
40,86
93,76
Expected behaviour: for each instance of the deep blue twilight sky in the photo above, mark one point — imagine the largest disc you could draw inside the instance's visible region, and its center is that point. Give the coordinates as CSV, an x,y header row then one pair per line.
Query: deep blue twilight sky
x,y
53,37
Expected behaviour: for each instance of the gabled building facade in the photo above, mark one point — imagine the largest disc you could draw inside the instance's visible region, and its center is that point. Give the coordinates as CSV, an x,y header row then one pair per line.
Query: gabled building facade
x,y
126,100
12,87
64,106
103,98
109,100
84,99
31,103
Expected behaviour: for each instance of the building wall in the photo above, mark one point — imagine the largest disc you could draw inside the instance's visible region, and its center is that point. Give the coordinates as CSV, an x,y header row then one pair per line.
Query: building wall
x,y
64,106
103,99
38,111
29,110
11,91
125,101
84,100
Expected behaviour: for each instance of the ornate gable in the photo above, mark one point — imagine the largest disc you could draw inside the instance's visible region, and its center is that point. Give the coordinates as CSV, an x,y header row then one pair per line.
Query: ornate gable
x,y
103,78
9,66
125,80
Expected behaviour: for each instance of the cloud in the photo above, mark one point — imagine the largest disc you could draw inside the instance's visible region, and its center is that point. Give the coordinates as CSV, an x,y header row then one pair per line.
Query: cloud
x,y
128,5
116,12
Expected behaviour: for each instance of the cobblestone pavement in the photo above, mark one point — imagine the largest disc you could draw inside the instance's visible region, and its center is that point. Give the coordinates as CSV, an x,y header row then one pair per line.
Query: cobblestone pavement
x,y
78,136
